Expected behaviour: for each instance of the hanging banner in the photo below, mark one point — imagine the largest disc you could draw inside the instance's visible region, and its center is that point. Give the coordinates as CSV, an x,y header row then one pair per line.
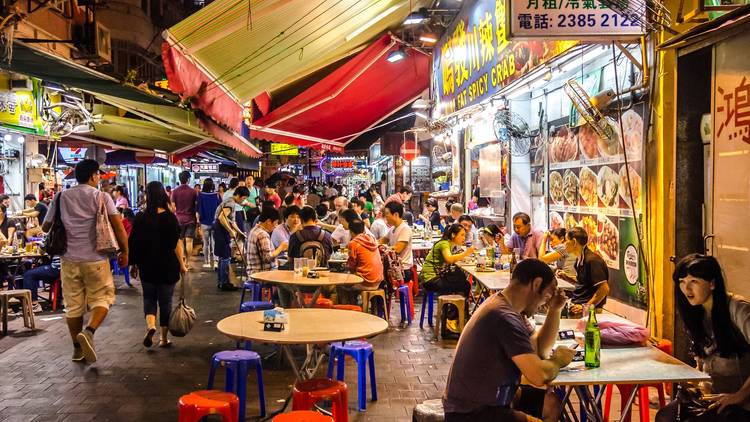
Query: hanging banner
x,y
19,107
475,59
566,19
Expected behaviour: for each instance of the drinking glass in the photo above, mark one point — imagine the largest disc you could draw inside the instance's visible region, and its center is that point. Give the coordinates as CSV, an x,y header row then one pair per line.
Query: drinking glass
x,y
298,264
306,266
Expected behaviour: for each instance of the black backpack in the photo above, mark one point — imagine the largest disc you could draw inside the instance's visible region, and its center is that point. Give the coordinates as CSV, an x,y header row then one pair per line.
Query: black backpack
x,y
313,248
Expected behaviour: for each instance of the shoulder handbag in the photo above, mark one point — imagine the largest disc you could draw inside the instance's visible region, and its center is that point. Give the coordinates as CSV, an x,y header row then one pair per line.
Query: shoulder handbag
x,y
57,238
183,317
449,278
106,242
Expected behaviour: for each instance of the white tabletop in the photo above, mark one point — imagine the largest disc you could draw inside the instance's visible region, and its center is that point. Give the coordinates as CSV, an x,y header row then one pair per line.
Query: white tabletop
x,y
289,277
499,280
306,326
631,365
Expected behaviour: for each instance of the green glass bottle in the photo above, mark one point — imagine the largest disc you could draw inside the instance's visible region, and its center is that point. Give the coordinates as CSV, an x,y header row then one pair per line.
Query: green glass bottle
x,y
593,340
490,257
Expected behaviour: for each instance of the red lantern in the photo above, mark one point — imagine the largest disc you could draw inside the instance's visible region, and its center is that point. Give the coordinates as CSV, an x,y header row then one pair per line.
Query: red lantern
x,y
409,150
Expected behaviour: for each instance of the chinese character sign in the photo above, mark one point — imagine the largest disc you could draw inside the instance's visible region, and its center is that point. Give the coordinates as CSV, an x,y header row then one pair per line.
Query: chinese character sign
x,y
475,59
561,19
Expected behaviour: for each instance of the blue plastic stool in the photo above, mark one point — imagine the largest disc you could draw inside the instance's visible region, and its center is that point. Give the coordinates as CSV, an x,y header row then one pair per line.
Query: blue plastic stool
x,y
238,363
404,300
116,270
250,307
255,291
428,298
362,352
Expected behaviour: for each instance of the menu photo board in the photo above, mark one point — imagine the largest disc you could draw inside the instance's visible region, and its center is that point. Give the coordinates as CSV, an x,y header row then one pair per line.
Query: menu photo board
x,y
590,185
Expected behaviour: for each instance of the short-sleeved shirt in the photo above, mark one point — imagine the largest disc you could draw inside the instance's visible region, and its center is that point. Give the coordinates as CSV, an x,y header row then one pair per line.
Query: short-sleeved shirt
x,y
529,245
483,358
78,210
566,263
122,202
252,199
379,228
226,203
434,260
280,235
402,233
435,220
185,199
259,249
592,271
41,209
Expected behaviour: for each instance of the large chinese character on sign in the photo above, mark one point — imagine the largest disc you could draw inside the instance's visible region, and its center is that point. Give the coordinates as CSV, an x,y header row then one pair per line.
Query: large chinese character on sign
x,y
733,111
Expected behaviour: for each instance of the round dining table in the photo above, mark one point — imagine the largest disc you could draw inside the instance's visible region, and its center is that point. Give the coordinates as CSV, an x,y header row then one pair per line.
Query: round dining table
x,y
310,327
296,281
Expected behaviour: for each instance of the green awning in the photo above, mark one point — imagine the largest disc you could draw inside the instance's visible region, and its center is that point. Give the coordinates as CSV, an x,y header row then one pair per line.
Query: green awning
x,y
29,61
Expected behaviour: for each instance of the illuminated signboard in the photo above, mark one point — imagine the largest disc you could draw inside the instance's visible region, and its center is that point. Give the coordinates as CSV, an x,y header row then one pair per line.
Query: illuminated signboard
x,y
474,59
284,149
340,165
569,19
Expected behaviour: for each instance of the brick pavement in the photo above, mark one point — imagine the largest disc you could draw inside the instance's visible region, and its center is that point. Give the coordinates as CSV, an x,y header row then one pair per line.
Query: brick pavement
x,y
130,383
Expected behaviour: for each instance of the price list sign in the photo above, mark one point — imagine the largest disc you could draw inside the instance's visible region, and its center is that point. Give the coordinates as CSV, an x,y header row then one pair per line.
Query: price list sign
x,y
569,18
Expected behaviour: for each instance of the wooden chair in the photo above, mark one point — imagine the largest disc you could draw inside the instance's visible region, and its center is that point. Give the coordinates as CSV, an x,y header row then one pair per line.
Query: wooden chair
x,y
456,300
25,297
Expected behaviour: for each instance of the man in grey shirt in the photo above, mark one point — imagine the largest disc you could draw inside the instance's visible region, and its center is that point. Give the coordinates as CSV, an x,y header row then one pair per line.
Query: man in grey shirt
x,y
85,273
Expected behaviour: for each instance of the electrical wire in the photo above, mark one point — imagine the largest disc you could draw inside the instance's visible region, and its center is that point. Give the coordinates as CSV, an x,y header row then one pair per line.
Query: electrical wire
x,y
638,230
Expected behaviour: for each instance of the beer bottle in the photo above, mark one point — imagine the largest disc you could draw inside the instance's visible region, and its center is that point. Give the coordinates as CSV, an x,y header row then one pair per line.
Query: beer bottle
x,y
490,257
593,340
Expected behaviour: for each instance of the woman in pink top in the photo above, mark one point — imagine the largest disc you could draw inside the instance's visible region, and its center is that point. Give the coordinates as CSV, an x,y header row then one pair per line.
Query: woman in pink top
x,y
120,200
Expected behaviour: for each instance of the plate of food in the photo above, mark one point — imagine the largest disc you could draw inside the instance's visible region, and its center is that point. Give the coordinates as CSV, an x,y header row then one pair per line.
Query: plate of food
x,y
612,146
607,186
635,186
609,241
555,220
570,187
556,187
632,124
564,146
591,227
570,221
587,187
589,141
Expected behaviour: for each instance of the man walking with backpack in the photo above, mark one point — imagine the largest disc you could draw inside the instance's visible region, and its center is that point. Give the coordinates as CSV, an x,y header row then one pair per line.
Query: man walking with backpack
x,y
85,273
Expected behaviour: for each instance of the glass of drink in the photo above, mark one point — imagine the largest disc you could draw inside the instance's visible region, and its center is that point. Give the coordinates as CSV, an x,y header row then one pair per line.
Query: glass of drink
x,y
298,264
306,262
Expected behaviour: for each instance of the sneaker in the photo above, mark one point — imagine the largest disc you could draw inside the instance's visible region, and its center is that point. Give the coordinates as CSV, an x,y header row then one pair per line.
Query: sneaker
x,y
78,354
86,340
207,266
36,308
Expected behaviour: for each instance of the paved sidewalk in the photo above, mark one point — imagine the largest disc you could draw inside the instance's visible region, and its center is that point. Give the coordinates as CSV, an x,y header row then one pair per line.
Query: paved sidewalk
x,y
128,382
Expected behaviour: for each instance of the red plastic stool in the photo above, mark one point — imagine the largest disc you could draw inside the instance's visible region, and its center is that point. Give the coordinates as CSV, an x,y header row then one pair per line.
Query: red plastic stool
x,y
322,302
626,390
348,307
199,404
302,416
307,393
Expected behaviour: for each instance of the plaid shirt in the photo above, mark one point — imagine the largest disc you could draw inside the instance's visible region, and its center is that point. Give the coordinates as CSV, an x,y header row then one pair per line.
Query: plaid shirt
x,y
259,250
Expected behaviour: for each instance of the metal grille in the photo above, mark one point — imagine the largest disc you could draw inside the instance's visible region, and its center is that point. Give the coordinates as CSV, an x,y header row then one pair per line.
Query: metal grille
x,y
651,15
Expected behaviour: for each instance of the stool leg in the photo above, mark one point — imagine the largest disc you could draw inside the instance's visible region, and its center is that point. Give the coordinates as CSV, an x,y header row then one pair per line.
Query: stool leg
x,y
403,306
643,403
662,400
211,374
461,318
340,406
186,413
373,383
607,401
340,365
331,359
625,391
438,320
261,388
242,387
229,381
430,299
242,297
365,303
421,317
55,294
362,380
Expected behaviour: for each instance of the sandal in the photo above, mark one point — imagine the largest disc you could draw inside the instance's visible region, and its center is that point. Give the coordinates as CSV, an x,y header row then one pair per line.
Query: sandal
x,y
167,343
148,339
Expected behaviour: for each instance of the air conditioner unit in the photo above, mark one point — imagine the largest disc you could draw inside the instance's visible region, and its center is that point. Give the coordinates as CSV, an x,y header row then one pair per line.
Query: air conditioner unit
x,y
94,41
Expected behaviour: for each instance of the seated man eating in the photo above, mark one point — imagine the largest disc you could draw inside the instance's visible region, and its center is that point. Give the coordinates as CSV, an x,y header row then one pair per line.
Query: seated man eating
x,y
498,346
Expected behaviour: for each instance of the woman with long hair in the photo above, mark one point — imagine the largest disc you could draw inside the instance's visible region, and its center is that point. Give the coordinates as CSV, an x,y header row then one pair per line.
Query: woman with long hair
x,y
208,201
157,258
442,255
718,325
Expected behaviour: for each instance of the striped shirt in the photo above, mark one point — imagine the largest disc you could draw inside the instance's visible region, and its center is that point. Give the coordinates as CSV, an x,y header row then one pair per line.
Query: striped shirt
x,y
259,249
